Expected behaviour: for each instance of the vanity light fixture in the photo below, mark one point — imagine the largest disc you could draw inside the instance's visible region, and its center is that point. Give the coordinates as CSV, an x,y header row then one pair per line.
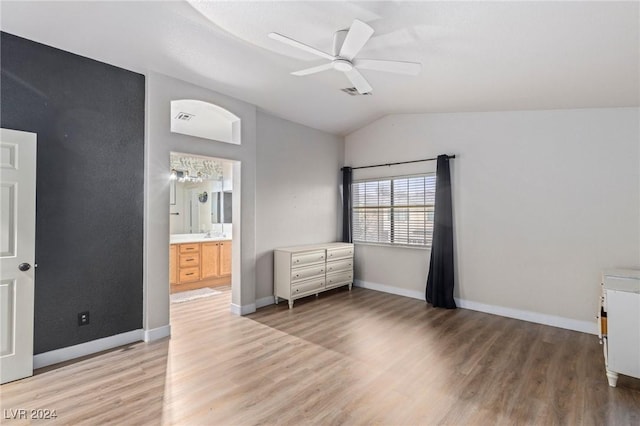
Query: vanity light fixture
x,y
184,176
194,169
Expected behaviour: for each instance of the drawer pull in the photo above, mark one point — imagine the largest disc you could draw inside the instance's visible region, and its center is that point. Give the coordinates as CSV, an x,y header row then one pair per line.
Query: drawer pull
x,y
297,275
189,260
190,273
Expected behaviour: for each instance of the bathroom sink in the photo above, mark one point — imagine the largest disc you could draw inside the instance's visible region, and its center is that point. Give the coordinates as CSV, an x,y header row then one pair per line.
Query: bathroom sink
x,y
215,237
194,238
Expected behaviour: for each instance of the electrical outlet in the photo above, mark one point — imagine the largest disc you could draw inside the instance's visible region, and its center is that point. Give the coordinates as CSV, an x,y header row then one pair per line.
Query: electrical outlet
x,y
83,318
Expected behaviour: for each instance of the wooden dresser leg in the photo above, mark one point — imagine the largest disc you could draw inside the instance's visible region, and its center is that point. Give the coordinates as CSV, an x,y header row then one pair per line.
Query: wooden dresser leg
x,y
290,304
612,376
276,299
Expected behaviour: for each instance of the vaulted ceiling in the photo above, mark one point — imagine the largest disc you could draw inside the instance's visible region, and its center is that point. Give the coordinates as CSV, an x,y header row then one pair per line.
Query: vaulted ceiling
x,y
476,56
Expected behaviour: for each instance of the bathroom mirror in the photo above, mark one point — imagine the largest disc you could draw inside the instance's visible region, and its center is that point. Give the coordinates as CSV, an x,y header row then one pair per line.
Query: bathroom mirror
x,y
221,203
201,194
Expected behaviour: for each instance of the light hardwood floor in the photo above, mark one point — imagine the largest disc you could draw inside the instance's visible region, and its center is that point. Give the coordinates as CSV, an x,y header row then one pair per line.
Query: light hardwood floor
x,y
343,358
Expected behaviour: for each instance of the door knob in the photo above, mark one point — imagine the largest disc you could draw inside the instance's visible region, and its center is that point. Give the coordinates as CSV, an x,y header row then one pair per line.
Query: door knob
x,y
24,267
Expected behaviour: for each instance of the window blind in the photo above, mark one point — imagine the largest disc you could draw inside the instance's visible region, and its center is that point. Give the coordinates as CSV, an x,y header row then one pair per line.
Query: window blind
x,y
396,211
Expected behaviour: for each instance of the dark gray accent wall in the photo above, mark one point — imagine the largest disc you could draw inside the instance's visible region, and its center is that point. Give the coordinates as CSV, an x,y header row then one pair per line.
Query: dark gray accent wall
x,y
89,118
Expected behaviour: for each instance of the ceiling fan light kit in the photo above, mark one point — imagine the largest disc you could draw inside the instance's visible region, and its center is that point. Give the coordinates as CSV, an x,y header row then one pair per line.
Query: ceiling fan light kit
x,y
346,45
342,65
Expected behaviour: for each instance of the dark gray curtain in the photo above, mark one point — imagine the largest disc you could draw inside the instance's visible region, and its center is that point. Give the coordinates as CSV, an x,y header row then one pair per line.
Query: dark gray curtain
x,y
347,218
440,279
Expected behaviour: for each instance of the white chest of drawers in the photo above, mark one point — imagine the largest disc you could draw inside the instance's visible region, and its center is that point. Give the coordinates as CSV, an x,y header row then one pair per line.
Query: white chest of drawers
x,y
621,334
306,270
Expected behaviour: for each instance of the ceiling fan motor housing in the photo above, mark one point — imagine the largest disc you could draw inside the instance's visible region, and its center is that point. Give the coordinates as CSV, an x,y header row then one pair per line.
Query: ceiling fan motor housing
x,y
342,65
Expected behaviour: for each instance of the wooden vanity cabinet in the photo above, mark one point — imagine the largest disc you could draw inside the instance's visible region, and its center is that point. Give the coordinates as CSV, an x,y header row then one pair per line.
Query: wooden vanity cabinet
x,y
210,259
195,265
173,263
189,263
225,258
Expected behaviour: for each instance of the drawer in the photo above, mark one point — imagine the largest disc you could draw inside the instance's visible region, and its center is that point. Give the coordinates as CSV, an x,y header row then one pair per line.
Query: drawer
x,y
340,265
304,288
307,257
189,274
337,253
189,248
188,260
341,278
307,272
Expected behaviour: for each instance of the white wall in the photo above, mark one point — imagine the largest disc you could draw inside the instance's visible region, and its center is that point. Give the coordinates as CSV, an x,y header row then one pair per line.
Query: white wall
x,y
297,190
294,201
227,176
543,201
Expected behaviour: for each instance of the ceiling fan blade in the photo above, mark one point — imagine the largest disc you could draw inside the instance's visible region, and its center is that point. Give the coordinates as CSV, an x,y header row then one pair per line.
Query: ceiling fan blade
x,y
358,35
299,45
314,70
398,67
358,81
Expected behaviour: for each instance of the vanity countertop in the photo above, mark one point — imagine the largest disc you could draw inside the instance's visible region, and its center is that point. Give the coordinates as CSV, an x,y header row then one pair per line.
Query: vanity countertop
x,y
195,238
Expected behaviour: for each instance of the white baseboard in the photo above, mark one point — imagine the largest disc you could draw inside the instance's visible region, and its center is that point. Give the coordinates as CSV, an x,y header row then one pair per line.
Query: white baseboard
x,y
390,289
264,301
76,351
243,310
552,320
235,309
251,308
157,333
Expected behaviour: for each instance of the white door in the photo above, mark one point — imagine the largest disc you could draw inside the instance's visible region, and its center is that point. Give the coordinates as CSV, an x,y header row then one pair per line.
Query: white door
x,y
17,252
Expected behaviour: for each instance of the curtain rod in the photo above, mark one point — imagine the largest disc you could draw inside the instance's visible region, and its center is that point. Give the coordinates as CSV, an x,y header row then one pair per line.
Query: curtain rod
x,y
401,162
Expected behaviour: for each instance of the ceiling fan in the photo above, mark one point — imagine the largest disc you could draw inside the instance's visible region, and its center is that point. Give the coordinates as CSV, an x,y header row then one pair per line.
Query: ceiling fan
x,y
346,45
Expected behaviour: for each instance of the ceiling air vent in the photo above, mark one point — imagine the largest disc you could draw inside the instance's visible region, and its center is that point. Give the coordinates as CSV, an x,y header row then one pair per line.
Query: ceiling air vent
x,y
184,116
352,91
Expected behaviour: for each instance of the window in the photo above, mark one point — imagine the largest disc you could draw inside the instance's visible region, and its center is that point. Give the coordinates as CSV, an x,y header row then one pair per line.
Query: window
x,y
397,211
205,120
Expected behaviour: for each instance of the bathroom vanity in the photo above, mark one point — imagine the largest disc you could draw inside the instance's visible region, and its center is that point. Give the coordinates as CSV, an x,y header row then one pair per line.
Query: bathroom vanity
x,y
200,222
197,261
